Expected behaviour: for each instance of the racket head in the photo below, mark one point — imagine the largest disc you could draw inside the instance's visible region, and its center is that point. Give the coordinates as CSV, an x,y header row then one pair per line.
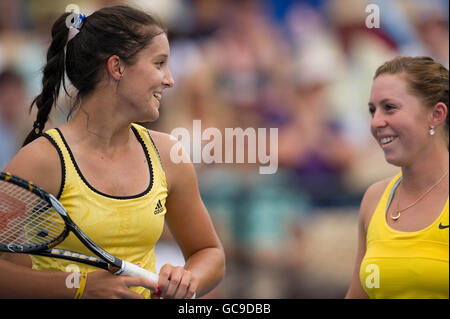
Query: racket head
x,y
29,220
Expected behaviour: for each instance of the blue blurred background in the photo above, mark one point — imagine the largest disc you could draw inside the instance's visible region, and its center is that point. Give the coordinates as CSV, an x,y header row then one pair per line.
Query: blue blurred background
x,y
304,67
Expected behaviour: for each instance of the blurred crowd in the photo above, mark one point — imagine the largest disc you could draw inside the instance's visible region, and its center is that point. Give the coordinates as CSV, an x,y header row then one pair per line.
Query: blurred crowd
x,y
304,67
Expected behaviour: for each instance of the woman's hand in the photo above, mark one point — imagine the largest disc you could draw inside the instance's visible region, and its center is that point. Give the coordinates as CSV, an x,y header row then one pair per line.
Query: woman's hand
x,y
175,282
104,285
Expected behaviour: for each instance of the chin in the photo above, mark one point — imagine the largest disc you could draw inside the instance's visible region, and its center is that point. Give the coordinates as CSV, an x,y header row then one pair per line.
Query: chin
x,y
394,160
147,117
153,116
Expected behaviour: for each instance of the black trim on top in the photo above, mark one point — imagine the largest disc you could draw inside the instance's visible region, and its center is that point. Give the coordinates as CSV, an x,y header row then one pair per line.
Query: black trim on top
x,y
63,164
150,167
156,149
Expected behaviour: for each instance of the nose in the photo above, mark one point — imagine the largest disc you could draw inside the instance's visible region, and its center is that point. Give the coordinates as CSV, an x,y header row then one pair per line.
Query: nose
x,y
378,120
168,80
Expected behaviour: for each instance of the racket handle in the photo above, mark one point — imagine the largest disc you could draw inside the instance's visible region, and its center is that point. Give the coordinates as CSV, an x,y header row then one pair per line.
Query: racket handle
x,y
132,270
129,269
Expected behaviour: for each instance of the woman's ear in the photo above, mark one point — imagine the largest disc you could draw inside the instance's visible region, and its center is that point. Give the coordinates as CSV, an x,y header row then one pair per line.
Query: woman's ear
x,y
114,67
438,114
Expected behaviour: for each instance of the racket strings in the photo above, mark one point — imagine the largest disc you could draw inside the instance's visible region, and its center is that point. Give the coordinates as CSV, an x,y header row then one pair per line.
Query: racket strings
x,y
25,218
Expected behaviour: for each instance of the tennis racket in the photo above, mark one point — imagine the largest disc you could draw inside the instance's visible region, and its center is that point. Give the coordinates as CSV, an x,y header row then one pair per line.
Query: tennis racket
x,y
33,221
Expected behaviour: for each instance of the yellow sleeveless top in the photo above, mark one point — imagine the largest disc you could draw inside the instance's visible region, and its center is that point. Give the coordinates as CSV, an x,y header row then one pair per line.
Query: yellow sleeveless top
x,y
126,227
405,265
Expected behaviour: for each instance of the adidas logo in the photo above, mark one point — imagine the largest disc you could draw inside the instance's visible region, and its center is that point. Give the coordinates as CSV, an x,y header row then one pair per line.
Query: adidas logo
x,y
159,208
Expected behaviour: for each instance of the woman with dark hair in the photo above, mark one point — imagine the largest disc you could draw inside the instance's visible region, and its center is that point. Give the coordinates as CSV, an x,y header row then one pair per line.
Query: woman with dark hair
x,y
115,177
404,223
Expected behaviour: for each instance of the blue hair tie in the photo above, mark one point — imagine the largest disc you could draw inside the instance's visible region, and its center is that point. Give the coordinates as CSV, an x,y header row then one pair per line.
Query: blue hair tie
x,y
78,23
75,27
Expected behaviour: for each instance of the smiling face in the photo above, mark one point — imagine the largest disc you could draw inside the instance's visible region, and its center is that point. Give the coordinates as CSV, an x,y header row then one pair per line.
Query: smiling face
x,y
399,120
142,84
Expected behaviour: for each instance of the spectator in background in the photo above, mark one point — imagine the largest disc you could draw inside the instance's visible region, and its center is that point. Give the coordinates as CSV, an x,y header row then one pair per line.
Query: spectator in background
x,y
247,52
13,114
311,143
425,24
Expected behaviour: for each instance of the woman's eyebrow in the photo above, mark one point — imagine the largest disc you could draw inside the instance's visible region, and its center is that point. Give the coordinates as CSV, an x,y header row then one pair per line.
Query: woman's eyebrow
x,y
383,101
163,56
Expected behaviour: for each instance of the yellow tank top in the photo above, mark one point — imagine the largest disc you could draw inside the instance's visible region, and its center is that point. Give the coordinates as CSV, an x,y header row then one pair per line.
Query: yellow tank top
x,y
405,265
126,227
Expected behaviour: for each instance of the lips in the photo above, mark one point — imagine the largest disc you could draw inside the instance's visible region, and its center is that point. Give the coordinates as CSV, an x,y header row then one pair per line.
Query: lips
x,y
157,96
385,140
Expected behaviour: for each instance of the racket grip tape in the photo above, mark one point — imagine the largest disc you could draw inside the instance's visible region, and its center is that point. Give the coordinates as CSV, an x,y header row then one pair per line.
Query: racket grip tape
x,y
132,270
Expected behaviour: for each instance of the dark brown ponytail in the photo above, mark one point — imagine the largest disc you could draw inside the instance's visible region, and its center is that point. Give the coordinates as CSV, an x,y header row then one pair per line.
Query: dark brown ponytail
x,y
53,75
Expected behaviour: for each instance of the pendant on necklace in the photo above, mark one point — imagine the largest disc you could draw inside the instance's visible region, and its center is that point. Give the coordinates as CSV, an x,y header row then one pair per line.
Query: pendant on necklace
x,y
396,217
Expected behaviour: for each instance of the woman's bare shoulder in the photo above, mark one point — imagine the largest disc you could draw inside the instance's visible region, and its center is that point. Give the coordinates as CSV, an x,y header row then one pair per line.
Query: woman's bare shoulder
x,y
38,162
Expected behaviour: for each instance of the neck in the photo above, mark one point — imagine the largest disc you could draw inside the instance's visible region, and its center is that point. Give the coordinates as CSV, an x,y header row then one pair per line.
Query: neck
x,y
426,171
99,123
